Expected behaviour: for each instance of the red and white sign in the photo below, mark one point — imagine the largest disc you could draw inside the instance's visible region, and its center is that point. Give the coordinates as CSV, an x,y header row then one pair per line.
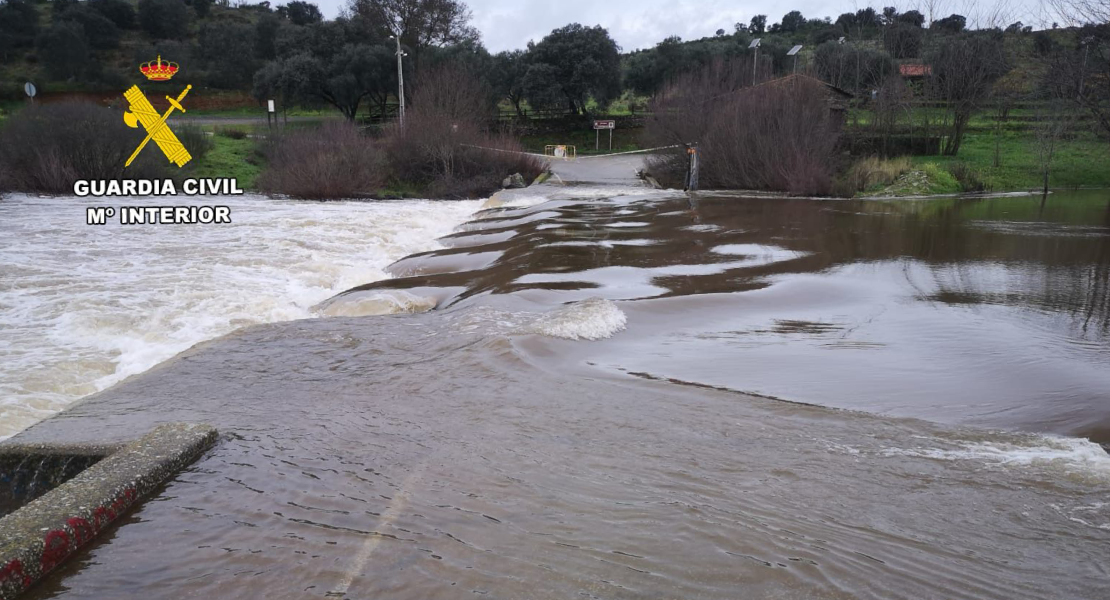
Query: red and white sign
x,y
605,124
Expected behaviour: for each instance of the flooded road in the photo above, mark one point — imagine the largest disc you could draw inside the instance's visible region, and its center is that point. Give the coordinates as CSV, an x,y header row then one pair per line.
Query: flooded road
x,y
986,311
576,418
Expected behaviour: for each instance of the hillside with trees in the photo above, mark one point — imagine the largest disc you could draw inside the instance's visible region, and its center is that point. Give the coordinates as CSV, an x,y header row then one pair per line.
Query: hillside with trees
x,y
919,83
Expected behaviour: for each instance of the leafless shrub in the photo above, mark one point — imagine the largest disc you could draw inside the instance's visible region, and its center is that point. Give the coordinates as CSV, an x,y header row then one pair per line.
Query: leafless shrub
x,y
444,145
779,135
330,162
194,138
46,148
969,179
231,132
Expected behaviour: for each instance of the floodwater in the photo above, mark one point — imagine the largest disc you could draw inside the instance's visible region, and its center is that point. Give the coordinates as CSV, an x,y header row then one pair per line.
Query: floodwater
x,y
83,307
646,395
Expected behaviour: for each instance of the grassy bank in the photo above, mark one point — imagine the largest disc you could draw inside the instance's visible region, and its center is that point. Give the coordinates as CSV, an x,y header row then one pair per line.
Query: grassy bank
x,y
237,158
1080,162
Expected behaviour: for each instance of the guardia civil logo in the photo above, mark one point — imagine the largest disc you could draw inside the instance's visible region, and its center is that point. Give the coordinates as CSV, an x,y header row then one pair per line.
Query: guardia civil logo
x,y
143,113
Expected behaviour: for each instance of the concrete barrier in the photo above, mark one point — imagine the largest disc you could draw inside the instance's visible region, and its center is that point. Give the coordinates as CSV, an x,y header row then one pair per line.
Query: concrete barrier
x,y
40,535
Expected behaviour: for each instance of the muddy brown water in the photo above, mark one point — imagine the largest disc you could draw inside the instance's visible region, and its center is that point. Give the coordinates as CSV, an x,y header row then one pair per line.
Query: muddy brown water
x,y
808,399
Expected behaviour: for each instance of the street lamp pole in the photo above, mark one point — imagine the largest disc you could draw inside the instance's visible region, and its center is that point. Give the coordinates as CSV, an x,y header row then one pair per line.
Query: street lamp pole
x,y
400,81
755,58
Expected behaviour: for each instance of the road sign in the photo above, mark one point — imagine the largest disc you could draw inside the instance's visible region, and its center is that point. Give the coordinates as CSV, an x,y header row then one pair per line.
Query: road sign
x,y
603,124
270,106
29,88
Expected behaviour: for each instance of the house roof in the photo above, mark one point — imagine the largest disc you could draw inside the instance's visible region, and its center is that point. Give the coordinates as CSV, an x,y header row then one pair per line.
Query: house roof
x,y
801,77
915,70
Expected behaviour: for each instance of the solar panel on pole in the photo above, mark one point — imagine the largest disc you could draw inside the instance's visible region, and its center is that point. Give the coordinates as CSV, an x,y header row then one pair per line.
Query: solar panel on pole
x,y
794,52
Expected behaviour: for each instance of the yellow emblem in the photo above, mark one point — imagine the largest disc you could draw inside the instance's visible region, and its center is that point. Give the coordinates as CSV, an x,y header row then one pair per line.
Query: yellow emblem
x,y
155,125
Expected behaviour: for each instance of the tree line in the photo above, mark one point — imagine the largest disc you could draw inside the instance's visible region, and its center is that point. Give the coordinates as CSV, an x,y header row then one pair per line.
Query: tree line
x,y
292,54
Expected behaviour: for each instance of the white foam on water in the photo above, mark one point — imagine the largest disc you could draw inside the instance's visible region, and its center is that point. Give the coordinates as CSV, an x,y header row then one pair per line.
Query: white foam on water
x,y
619,224
1096,515
83,307
377,302
1065,455
518,200
589,319
700,227
769,254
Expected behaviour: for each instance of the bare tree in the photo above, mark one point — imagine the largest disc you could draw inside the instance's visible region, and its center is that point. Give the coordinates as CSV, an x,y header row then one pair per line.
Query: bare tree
x,y
1053,121
1082,73
964,71
1006,93
1078,12
992,15
419,23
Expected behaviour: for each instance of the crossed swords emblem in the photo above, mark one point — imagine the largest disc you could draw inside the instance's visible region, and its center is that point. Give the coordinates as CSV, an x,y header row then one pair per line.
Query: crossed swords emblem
x,y
155,125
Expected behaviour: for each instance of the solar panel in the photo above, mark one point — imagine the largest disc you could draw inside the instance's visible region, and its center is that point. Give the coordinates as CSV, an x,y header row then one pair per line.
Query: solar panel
x,y
755,43
794,50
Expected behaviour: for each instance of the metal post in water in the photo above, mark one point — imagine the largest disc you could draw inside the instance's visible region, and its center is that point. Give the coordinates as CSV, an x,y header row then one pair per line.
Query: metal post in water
x,y
691,183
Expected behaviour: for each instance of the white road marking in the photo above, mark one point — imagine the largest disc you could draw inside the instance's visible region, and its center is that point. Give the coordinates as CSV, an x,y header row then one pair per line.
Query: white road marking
x,y
391,514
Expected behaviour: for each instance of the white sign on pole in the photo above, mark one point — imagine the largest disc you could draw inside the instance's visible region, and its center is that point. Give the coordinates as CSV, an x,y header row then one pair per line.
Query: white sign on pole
x,y
29,88
270,105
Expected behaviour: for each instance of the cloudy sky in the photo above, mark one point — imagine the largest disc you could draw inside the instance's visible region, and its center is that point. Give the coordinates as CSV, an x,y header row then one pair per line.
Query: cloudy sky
x,y
634,24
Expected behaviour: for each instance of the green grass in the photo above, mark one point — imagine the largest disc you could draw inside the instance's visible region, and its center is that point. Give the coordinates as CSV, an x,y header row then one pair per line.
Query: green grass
x,y
229,158
400,189
1080,162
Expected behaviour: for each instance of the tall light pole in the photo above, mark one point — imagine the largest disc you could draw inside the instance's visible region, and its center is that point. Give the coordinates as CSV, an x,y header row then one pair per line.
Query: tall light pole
x,y
755,58
400,81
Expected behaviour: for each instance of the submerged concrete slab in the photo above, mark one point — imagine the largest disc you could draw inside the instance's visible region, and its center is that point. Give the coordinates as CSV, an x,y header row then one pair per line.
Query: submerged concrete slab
x,y
42,534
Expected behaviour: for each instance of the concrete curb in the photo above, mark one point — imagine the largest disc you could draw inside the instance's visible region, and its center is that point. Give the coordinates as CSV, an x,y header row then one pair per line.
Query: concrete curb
x,y
41,535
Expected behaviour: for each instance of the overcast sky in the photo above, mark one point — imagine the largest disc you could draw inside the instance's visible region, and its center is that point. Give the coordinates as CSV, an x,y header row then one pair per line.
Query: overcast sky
x,y
635,24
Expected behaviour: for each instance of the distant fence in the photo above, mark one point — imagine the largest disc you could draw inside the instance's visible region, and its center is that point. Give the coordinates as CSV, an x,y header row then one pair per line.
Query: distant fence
x,y
209,100
862,144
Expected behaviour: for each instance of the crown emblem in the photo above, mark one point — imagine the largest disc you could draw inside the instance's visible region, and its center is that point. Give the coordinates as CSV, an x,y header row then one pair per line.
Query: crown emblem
x,y
159,71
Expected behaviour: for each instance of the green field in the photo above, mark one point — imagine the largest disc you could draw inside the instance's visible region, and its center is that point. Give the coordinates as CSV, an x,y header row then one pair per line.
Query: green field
x,y
1080,162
